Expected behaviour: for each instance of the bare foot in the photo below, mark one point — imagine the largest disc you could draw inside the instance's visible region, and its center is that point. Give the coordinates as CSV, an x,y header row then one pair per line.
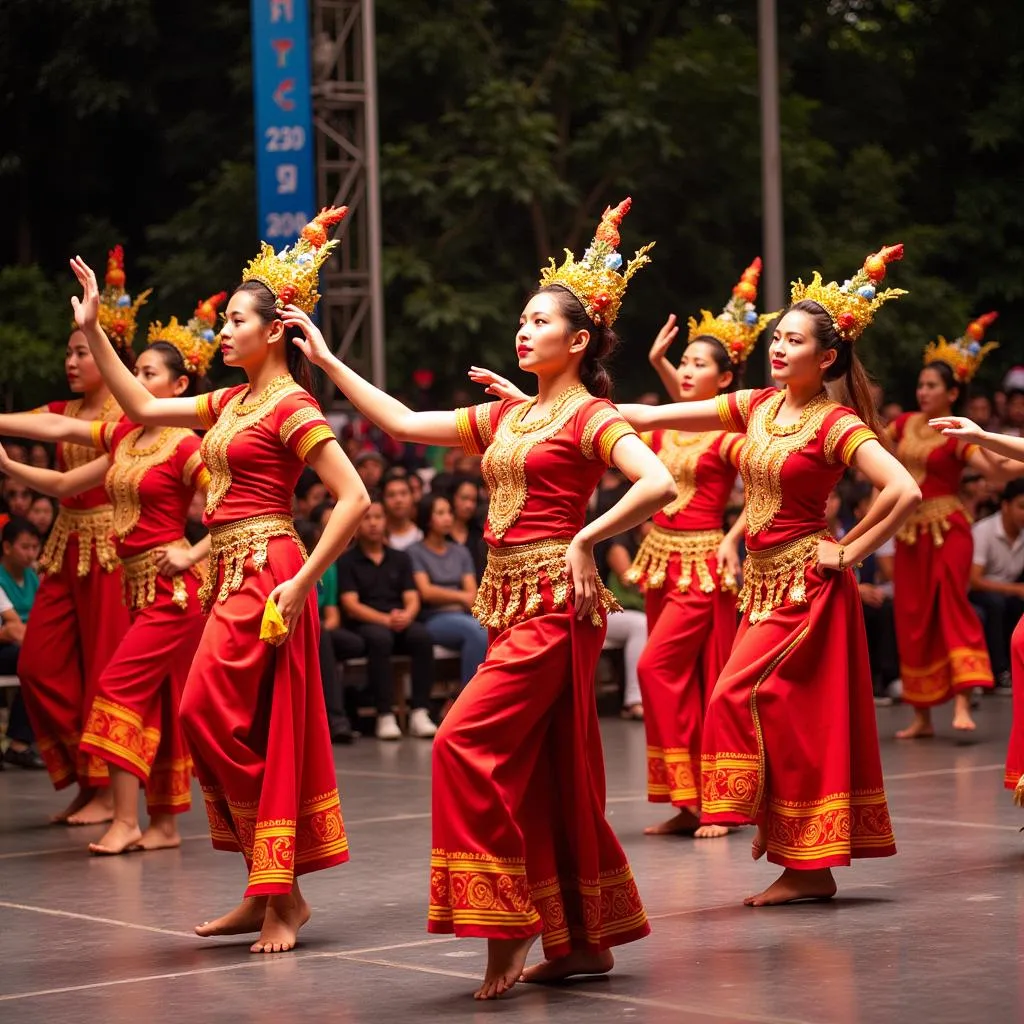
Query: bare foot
x,y
248,916
160,835
285,916
712,832
684,823
920,728
962,718
792,886
82,797
506,959
759,844
119,838
577,962
97,811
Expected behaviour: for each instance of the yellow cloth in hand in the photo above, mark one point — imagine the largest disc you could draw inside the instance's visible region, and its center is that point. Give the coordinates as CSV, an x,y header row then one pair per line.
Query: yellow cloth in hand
x,y
273,629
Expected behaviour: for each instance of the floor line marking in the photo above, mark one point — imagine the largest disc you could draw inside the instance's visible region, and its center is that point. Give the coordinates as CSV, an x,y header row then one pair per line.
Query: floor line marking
x,y
953,823
96,920
342,772
969,770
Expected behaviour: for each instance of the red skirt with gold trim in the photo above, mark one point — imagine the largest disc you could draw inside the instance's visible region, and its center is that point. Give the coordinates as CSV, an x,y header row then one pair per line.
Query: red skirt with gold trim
x,y
690,636
940,638
76,625
255,723
521,845
790,739
134,721
1015,751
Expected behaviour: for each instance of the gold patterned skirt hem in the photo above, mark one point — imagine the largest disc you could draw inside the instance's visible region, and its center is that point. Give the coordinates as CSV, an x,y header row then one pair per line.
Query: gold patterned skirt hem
x,y
777,574
233,544
141,572
92,526
510,590
694,548
932,516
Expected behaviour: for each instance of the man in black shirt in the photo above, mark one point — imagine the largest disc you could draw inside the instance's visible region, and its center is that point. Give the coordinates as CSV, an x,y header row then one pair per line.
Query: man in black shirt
x,y
380,602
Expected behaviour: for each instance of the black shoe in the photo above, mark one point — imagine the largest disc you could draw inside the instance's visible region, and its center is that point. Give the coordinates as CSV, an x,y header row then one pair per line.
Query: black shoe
x,y
341,730
27,758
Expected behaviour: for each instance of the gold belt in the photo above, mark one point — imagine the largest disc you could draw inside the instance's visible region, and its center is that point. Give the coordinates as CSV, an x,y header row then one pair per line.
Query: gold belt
x,y
232,544
775,574
519,567
141,571
93,526
932,515
694,548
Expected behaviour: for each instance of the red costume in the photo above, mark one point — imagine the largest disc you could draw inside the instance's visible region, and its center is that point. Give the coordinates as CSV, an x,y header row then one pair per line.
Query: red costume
x,y
940,638
253,714
77,621
133,722
691,610
790,739
1014,778
521,845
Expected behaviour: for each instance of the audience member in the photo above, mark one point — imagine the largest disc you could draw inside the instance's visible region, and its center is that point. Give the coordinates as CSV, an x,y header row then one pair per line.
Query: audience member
x,y
42,515
396,497
380,601
16,449
444,575
370,466
1014,418
17,497
309,492
466,529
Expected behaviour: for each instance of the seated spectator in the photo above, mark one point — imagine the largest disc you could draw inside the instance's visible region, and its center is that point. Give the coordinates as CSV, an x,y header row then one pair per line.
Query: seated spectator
x,y
370,466
396,497
997,576
380,601
309,492
444,575
416,486
40,456
17,497
981,410
1014,424
466,529
42,515
16,449
19,549
891,411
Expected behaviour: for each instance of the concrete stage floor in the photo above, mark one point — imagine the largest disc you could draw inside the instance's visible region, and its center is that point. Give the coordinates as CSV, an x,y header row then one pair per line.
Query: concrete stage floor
x,y
934,934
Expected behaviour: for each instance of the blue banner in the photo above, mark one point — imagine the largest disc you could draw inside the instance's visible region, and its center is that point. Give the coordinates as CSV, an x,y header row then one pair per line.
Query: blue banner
x,y
285,183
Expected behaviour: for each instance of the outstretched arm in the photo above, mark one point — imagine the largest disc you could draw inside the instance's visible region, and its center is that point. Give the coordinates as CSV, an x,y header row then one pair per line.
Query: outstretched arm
x,y
388,413
659,360
52,481
134,399
47,426
694,416
964,429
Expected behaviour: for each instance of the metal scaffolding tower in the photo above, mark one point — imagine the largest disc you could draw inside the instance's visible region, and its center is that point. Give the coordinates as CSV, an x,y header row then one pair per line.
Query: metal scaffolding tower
x,y
345,125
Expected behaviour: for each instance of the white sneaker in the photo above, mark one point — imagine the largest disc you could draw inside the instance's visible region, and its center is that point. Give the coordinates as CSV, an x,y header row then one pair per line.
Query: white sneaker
x,y
387,728
420,724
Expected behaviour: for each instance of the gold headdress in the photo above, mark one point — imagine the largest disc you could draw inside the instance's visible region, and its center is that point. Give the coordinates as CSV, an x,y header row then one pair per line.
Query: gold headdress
x,y
293,273
738,326
196,341
595,280
117,315
852,304
964,355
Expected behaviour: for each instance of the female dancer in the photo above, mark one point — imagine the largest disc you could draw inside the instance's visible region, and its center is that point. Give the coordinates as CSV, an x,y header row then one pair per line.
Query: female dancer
x,y
689,569
967,432
521,846
150,477
940,638
790,740
253,709
78,618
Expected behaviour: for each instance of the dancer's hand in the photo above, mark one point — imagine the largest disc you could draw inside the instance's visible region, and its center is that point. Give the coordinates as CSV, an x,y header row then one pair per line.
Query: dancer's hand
x,y
5,460
173,561
728,561
86,308
494,385
828,556
581,570
312,344
957,426
663,340
290,598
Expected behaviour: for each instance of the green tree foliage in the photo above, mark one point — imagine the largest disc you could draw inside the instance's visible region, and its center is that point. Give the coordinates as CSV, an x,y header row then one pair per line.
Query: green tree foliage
x,y
507,127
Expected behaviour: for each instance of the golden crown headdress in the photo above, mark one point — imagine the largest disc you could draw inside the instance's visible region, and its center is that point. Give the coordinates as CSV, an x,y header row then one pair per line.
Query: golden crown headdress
x,y
197,341
739,325
117,313
596,280
964,355
852,304
294,273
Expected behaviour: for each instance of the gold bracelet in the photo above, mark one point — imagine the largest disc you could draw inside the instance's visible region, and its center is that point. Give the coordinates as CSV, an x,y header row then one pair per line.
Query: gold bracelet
x,y
842,555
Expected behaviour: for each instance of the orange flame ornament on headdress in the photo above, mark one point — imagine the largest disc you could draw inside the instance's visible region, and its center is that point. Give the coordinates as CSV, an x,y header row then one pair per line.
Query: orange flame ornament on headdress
x,y
293,274
964,355
118,314
595,280
196,341
738,326
852,304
